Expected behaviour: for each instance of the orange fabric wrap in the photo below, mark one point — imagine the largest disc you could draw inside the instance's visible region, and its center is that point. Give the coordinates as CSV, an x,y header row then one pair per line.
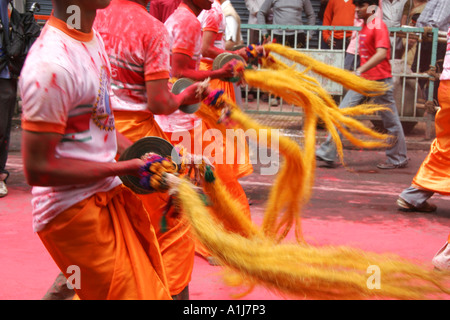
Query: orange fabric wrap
x,y
176,244
224,171
434,173
228,173
246,168
116,248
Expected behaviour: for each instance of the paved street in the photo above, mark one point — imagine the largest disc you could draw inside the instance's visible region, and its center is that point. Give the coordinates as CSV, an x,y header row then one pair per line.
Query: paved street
x,y
352,205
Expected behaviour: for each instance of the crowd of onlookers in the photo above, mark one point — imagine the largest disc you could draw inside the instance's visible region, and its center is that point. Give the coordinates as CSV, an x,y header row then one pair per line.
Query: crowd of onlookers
x,y
395,13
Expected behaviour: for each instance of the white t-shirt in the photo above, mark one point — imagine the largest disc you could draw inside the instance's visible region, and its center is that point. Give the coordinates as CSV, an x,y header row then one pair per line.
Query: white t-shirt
x,y
65,87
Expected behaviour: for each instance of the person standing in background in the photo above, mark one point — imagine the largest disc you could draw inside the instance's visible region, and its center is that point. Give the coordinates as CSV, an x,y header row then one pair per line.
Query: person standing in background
x,y
321,13
392,16
436,14
233,35
338,13
8,94
411,13
352,52
287,12
253,7
375,65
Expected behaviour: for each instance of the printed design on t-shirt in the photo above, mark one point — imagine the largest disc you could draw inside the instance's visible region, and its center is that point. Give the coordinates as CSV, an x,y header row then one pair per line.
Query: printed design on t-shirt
x,y
102,113
78,124
363,47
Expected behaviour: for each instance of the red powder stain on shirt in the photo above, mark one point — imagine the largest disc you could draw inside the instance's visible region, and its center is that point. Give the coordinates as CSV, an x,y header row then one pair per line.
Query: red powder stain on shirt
x,y
37,84
106,138
53,82
85,48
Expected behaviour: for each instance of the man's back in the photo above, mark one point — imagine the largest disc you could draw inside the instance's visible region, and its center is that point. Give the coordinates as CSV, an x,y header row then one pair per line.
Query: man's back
x,y
137,49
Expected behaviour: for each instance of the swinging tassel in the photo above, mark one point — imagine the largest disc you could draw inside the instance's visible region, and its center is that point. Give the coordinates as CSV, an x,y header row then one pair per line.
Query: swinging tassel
x,y
209,175
316,104
227,210
256,255
306,271
344,77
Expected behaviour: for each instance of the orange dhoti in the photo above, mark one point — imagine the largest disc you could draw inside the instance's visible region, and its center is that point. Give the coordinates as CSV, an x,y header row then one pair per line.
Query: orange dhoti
x,y
434,173
176,244
240,168
111,242
194,141
228,171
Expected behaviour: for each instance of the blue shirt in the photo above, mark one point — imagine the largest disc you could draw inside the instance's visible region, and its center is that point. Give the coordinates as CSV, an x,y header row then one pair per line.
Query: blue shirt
x,y
436,14
4,74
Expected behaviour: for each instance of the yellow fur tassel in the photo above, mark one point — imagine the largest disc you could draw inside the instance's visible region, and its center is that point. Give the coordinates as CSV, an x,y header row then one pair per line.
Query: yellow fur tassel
x,y
227,210
257,255
306,271
344,77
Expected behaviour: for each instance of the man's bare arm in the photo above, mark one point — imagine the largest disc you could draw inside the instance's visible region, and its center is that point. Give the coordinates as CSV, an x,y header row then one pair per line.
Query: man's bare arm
x,y
181,69
42,168
377,58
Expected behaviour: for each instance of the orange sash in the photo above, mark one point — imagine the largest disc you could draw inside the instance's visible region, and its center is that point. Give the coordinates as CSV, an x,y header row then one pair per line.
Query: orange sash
x,y
110,239
176,244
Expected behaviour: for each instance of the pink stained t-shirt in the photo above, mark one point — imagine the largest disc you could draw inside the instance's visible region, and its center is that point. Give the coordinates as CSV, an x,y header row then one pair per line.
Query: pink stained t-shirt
x,y
65,86
185,34
186,38
138,50
373,35
214,20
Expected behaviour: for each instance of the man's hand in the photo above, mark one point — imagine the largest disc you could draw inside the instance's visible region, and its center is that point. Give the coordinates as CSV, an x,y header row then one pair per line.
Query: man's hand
x,y
192,94
227,71
241,52
193,162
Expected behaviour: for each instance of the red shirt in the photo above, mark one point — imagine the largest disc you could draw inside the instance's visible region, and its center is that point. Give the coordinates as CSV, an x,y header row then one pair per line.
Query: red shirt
x,y
375,35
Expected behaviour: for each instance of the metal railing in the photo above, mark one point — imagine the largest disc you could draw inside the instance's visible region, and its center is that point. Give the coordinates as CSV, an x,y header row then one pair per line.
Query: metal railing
x,y
411,95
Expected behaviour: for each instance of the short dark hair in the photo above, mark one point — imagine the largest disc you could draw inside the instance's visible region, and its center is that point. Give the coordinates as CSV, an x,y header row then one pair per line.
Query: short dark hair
x,y
370,2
